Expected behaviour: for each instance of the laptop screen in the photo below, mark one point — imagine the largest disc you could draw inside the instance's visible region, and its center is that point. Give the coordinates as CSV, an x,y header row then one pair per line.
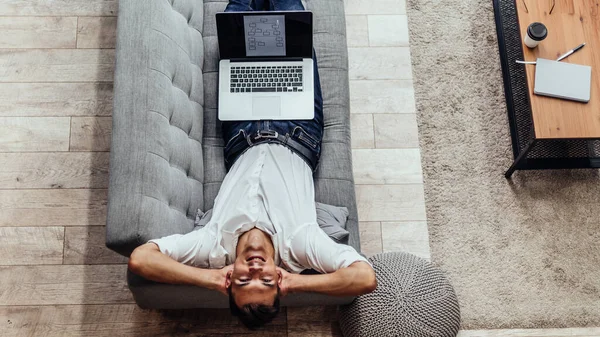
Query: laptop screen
x,y
246,35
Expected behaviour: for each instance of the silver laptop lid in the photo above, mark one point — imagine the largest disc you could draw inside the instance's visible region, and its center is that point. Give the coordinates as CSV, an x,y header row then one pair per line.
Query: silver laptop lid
x,y
262,36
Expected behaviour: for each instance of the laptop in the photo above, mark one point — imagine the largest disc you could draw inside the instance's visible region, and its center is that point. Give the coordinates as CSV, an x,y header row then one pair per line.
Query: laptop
x,y
266,66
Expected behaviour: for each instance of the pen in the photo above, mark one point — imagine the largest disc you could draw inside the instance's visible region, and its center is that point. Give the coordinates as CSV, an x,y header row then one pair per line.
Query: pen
x,y
570,52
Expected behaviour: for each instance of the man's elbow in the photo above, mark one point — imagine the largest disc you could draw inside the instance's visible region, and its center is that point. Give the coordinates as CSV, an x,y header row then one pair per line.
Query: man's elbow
x,y
137,260
371,283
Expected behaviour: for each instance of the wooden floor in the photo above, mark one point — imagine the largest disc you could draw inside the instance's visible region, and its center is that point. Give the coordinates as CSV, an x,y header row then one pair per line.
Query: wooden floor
x,y
56,71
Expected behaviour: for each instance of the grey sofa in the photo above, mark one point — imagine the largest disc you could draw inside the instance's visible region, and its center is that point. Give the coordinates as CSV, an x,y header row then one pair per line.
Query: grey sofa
x,y
167,153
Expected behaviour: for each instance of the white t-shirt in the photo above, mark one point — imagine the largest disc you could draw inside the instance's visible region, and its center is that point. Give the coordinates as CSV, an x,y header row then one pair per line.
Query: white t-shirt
x,y
271,188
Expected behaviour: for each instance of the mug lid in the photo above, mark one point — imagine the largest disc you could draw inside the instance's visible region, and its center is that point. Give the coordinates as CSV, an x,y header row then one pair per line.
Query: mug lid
x,y
537,31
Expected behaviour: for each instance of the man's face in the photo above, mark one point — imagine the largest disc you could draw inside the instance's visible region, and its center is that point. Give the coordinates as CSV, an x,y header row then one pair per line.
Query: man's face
x,y
255,278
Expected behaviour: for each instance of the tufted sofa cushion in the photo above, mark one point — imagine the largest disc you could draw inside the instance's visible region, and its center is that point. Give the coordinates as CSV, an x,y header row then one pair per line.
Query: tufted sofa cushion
x,y
167,152
157,167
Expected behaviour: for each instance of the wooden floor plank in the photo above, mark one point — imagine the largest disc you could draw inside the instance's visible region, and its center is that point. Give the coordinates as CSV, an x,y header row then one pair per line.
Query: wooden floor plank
x,y
86,245
390,202
126,320
53,207
58,7
55,99
370,238
54,170
382,97
564,332
90,133
64,284
56,65
31,245
96,32
24,134
38,32
313,322
381,63
394,166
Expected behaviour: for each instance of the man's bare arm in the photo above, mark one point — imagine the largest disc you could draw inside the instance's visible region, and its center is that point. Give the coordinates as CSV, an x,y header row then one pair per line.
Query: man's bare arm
x,y
149,262
357,279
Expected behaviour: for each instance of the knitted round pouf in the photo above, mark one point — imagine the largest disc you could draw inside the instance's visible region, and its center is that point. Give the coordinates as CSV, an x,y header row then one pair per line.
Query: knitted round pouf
x,y
413,298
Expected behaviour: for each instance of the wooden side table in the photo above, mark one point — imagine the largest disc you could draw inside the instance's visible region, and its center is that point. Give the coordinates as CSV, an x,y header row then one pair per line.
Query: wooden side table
x,y
550,133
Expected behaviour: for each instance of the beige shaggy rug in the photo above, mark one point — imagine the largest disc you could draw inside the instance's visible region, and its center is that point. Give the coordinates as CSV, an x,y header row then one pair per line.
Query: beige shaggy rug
x,y
520,254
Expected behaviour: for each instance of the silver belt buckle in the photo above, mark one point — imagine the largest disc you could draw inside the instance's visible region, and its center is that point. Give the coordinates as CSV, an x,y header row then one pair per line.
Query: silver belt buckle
x,y
266,134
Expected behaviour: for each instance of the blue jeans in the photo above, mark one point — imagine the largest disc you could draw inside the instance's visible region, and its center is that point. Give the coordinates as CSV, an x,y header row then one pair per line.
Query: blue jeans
x,y
307,133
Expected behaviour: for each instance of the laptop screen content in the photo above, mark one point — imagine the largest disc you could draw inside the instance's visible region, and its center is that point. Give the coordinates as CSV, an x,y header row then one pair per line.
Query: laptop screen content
x,y
265,35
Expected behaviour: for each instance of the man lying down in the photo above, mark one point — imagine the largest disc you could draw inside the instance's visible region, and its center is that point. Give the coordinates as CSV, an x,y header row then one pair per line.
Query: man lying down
x,y
263,231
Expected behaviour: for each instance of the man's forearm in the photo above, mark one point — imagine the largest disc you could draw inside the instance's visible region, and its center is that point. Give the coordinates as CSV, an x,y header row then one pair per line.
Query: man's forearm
x,y
355,280
150,263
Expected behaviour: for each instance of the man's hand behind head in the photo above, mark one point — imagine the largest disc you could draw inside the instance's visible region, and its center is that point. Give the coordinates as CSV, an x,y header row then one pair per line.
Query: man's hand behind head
x,y
285,281
221,277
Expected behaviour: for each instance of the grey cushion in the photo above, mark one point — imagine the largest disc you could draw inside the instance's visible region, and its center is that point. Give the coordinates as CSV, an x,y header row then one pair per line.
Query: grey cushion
x,y
331,219
413,299
167,151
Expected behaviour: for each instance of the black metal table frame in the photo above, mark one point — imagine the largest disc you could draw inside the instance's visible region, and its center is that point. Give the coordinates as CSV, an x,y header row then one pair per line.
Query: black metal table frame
x,y
531,153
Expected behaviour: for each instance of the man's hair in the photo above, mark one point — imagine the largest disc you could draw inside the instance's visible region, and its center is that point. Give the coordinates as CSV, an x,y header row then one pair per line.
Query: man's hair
x,y
253,316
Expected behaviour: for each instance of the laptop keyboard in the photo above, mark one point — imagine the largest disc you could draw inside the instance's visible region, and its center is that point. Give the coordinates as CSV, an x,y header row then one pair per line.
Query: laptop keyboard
x,y
266,79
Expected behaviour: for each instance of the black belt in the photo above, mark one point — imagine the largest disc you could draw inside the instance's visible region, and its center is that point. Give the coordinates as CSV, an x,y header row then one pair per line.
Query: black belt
x,y
274,137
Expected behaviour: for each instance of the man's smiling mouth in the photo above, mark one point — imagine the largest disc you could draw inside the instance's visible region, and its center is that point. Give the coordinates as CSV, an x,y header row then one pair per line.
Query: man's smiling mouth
x,y
255,257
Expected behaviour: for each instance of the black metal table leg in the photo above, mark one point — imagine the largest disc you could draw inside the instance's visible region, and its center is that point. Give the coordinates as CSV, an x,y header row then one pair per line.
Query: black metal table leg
x,y
518,160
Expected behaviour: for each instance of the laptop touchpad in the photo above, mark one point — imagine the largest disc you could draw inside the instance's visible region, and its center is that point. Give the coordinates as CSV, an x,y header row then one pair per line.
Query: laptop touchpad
x,y
266,106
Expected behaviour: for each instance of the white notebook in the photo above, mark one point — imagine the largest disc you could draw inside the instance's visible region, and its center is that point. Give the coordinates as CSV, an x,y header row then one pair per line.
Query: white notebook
x,y
563,80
